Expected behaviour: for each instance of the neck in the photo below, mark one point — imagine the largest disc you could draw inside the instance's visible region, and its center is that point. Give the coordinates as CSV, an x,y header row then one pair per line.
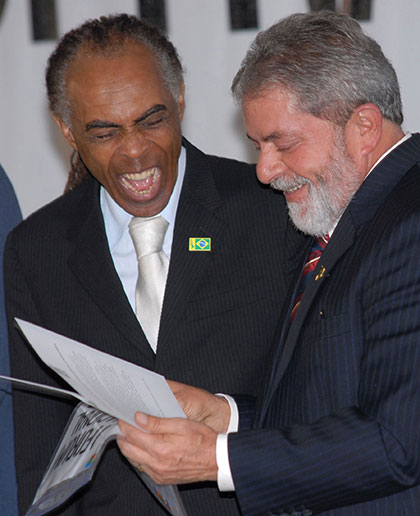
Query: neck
x,y
391,134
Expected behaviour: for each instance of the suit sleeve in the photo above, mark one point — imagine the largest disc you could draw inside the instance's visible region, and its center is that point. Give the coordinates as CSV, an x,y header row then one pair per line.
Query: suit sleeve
x,y
38,419
246,410
370,448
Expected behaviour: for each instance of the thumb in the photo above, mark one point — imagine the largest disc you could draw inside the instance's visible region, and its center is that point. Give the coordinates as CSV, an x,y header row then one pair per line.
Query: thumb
x,y
160,425
146,422
152,424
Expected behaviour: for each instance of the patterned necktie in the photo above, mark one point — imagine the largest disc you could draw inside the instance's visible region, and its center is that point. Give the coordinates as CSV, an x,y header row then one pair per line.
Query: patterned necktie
x,y
308,270
148,235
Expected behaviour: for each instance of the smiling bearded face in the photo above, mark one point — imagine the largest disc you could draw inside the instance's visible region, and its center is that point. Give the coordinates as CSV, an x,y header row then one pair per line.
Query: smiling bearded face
x,y
336,184
304,156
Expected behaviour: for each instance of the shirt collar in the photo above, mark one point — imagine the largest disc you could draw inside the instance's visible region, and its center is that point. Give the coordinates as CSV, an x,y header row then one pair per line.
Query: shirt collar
x,y
385,154
116,219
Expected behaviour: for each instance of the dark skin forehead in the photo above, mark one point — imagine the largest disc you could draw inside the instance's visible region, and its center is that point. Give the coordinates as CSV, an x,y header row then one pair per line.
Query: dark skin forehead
x,y
93,68
88,57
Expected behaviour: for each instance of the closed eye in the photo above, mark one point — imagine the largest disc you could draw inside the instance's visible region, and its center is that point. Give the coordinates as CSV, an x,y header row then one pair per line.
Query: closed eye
x,y
284,148
104,136
153,121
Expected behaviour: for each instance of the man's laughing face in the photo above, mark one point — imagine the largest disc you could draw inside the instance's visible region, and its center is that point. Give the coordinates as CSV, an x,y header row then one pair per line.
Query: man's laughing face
x,y
125,124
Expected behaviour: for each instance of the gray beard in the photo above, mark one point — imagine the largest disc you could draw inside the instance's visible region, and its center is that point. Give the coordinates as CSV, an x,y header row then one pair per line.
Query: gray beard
x,y
337,184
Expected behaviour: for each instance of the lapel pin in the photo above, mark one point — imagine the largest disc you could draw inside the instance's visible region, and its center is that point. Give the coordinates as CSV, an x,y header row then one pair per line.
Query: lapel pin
x,y
199,244
320,273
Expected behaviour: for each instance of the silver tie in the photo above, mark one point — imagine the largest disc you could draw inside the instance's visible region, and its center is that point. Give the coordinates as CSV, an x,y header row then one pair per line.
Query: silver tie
x,y
148,235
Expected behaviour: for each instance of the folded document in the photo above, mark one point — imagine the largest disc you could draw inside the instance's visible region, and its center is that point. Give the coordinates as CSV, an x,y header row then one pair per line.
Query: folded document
x,y
109,389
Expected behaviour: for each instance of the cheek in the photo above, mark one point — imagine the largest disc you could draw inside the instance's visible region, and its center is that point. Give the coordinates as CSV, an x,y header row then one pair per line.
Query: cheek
x,y
172,149
311,166
97,161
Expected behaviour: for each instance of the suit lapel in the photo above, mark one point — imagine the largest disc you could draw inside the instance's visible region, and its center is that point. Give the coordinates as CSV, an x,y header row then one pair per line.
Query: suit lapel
x,y
196,217
342,239
92,265
361,209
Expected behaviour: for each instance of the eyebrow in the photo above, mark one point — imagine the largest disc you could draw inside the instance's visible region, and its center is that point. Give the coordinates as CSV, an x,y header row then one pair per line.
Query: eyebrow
x,y
105,124
277,136
155,109
273,136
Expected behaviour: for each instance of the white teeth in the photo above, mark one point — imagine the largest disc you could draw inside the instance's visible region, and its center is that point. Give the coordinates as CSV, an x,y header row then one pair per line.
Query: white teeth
x,y
126,178
131,187
139,176
294,188
287,185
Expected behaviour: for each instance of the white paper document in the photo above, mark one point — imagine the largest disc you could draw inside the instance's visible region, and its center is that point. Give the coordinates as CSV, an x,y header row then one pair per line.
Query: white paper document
x,y
112,386
116,387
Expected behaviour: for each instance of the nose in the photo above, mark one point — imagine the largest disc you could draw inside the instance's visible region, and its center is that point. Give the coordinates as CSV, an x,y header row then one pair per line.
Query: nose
x,y
269,166
134,143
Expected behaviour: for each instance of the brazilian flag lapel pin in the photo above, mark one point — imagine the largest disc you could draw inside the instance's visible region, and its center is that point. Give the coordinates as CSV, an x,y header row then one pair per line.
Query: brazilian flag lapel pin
x,y
199,244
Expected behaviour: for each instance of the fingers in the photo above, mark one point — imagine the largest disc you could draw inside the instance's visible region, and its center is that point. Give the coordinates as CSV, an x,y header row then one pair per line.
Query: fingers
x,y
133,454
171,451
202,406
157,425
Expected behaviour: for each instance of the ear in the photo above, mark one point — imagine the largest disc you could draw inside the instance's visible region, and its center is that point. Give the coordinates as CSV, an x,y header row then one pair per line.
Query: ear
x,y
364,130
181,102
67,132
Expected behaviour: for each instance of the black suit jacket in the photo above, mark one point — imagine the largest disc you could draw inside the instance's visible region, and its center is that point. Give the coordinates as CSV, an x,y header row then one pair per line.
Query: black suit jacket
x,y
219,314
337,429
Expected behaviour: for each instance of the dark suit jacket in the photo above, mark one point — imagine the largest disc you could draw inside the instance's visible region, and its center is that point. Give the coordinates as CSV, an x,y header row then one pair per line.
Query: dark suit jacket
x,y
9,216
219,315
337,430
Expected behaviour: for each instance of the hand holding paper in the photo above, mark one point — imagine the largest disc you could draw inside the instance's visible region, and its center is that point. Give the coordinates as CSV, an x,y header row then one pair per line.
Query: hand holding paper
x,y
177,450
170,451
201,406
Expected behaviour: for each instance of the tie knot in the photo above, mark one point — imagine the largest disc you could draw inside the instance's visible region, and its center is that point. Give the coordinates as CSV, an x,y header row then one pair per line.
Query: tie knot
x,y
321,242
147,234
314,255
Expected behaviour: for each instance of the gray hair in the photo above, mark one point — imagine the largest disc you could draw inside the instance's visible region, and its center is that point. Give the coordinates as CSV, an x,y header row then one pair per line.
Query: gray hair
x,y
108,36
325,62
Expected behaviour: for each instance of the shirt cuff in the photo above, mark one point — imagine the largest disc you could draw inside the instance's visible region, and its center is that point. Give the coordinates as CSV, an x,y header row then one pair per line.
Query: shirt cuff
x,y
224,474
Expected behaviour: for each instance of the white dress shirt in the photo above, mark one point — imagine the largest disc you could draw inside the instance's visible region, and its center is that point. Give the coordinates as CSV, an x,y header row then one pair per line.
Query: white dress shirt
x,y
224,474
119,240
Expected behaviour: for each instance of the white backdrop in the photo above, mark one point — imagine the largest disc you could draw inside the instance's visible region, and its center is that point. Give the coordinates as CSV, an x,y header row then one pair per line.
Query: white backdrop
x,y
33,152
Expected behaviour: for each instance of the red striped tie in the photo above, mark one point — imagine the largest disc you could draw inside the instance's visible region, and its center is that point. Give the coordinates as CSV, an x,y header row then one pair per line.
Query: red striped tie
x,y
308,270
